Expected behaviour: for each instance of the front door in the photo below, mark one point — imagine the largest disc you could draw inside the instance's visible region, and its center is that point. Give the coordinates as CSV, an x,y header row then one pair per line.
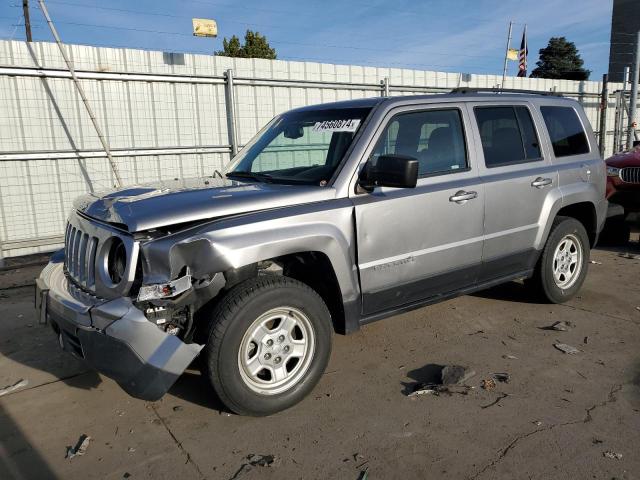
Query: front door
x,y
416,244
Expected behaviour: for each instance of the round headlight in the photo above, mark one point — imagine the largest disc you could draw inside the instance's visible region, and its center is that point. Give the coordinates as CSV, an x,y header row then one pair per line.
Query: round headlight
x,y
117,261
613,171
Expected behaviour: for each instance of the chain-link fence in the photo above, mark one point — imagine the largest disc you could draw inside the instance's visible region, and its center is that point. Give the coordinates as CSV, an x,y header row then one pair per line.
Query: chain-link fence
x,y
170,116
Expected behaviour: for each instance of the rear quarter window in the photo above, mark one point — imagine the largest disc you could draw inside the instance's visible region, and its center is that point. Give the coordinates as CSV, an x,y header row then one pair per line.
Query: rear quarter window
x,y
565,131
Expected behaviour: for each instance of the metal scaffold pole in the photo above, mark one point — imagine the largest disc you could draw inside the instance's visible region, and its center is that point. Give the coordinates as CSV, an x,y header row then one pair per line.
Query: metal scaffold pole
x,y
96,126
604,104
633,101
27,21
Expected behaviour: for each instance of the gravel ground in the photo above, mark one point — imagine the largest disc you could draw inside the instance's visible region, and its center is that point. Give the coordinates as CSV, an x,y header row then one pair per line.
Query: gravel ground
x,y
559,416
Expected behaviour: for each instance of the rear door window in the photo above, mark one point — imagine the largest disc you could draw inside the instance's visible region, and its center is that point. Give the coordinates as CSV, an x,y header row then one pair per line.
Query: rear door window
x,y
508,135
565,130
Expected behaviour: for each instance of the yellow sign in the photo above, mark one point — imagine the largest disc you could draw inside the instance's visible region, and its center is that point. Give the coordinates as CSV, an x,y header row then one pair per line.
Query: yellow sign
x,y
203,27
513,54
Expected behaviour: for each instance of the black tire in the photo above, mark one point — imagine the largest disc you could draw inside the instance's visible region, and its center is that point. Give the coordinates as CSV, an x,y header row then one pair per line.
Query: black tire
x,y
543,278
230,319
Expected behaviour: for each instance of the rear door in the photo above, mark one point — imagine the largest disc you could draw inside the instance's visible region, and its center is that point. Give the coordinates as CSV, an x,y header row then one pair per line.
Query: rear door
x,y
418,243
520,182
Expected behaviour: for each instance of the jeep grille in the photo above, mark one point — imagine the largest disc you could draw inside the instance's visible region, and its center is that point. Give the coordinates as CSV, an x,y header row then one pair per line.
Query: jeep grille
x,y
80,256
88,245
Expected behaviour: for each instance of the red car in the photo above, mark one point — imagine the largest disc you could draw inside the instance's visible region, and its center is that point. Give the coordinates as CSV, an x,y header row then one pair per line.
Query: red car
x,y
623,180
623,193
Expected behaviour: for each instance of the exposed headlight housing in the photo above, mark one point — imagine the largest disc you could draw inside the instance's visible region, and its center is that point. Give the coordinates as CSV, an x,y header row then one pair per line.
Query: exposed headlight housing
x,y
164,290
613,171
116,261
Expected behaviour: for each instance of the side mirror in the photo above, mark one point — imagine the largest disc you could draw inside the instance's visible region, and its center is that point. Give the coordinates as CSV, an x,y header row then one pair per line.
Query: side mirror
x,y
397,171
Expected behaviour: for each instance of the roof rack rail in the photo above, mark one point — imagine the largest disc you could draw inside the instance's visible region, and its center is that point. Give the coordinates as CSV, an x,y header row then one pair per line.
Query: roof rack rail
x,y
503,90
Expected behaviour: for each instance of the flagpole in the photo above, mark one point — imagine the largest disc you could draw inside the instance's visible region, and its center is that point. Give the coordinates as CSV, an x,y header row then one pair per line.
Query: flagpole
x,y
526,51
506,55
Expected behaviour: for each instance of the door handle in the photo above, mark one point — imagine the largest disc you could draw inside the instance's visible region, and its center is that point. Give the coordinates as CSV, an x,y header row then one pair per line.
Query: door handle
x,y
541,182
461,196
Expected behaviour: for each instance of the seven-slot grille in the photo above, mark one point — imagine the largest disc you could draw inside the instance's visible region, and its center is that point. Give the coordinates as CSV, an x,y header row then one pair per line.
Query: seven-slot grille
x,y
80,256
630,174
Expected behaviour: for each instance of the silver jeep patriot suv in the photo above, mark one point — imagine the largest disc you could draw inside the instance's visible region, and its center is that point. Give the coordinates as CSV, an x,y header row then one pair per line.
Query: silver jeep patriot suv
x,y
332,217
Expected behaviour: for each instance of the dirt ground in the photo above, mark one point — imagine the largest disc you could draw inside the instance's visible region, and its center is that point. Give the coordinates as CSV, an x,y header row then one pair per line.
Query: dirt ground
x,y
556,418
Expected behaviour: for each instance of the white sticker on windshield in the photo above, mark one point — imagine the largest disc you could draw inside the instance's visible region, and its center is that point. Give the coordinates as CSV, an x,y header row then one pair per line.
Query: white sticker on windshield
x,y
347,125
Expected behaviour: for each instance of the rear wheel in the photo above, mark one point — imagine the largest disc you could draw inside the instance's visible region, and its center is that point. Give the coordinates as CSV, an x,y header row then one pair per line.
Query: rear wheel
x,y
563,264
268,345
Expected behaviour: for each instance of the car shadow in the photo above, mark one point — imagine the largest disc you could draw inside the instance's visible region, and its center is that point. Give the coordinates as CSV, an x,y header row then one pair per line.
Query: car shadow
x,y
35,348
26,343
631,247
511,292
18,457
193,387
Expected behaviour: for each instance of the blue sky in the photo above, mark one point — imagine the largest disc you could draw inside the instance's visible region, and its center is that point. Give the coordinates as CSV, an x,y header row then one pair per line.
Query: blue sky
x,y
443,35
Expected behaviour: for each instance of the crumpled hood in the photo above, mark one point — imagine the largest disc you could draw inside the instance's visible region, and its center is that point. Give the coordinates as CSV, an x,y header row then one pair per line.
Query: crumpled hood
x,y
162,204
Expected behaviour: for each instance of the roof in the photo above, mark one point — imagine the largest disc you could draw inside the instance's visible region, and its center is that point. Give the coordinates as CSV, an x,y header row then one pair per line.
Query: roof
x,y
469,95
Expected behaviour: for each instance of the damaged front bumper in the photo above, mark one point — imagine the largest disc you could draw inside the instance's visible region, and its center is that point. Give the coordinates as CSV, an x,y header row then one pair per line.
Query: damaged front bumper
x,y
112,336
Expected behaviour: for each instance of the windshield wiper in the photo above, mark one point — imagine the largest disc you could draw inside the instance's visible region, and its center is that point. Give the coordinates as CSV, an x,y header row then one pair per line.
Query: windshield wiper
x,y
261,177
268,178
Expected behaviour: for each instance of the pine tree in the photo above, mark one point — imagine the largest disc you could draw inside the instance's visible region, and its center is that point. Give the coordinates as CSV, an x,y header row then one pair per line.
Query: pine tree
x,y
255,46
560,60
232,48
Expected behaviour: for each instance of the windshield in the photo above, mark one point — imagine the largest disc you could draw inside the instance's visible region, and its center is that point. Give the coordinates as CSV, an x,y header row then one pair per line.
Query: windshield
x,y
299,147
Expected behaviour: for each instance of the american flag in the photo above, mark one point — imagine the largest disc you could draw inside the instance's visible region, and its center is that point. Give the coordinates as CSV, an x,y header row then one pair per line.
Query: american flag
x,y
524,51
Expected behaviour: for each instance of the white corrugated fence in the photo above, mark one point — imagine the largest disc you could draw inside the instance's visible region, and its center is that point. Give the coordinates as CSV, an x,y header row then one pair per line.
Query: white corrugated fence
x,y
166,116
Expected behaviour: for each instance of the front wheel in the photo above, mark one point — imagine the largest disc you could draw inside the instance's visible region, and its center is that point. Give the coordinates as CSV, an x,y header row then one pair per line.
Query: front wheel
x,y
562,267
269,343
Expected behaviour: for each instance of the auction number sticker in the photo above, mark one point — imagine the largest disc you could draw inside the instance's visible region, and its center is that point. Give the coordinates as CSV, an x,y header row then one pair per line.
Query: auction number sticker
x,y
346,125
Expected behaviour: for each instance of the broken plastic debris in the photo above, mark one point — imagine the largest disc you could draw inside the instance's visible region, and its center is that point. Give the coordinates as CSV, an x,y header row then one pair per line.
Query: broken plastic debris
x,y
453,374
437,389
501,377
255,461
12,388
260,460
559,326
488,383
568,349
509,357
428,389
80,448
612,455
537,422
451,377
595,263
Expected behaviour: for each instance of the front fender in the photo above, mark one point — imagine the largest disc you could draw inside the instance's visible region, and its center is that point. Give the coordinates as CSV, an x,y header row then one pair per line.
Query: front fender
x,y
225,244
